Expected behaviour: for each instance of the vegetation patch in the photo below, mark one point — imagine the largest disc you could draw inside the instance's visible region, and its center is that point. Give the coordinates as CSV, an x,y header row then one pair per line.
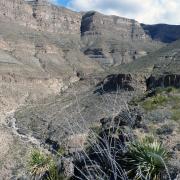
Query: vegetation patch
x,y
166,129
39,162
176,115
44,166
146,159
159,97
61,151
153,102
161,90
140,159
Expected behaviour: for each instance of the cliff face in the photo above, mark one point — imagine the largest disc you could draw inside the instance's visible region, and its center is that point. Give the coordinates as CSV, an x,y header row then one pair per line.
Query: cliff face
x,y
41,15
110,40
113,40
17,11
94,23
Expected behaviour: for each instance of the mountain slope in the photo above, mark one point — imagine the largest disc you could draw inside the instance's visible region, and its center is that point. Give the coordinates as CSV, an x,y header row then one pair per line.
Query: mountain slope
x,y
41,15
163,32
113,40
52,63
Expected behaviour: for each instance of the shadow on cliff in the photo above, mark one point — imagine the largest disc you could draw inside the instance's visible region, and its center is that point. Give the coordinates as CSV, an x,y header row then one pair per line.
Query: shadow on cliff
x,y
115,82
163,81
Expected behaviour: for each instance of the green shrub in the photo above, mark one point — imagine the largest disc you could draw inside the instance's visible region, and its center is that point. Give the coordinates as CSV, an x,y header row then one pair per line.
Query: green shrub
x,y
159,97
53,173
39,162
176,115
145,159
160,90
153,102
61,151
136,100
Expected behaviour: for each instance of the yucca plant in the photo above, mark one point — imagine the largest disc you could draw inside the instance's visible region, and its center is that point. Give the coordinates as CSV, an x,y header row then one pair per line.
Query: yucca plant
x,y
39,163
145,159
44,166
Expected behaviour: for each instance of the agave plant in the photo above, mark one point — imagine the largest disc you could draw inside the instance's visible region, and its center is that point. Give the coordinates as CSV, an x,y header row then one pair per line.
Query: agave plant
x,y
146,159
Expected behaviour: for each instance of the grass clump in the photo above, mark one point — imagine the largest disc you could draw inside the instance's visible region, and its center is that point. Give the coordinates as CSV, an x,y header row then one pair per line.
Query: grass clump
x,y
44,166
53,174
161,90
146,159
176,115
39,162
153,102
175,108
61,151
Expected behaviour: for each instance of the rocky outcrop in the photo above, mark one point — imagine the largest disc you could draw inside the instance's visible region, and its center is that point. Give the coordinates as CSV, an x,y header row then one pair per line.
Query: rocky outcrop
x,y
41,15
113,40
98,32
165,80
122,82
94,23
115,82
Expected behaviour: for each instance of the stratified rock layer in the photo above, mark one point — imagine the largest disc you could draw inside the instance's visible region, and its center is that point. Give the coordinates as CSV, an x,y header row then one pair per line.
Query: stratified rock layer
x,y
113,40
94,23
41,15
51,60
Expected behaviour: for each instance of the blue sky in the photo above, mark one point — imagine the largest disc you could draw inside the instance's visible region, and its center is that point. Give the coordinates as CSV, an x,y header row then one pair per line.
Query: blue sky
x,y
63,2
145,11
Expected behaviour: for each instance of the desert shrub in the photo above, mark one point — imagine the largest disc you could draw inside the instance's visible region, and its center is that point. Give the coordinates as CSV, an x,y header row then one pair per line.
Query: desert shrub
x,y
61,151
153,102
54,174
176,106
39,162
43,165
165,129
176,115
142,159
161,90
114,154
136,100
158,97
145,159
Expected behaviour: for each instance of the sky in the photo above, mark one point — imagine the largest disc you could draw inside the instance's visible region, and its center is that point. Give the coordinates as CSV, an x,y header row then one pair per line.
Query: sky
x,y
144,11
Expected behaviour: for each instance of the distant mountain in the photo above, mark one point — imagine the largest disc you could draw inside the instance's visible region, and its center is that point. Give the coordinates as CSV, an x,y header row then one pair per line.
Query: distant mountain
x,y
163,32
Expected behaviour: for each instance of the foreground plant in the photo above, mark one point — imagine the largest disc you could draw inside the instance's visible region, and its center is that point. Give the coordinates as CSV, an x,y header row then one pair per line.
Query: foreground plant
x,y
43,166
39,162
146,159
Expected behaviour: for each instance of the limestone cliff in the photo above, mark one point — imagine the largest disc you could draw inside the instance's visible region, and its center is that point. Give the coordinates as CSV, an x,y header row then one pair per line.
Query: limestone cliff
x,y
40,15
114,40
94,23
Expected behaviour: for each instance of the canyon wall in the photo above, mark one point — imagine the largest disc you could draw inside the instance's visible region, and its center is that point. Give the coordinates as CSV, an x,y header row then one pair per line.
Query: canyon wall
x,y
41,15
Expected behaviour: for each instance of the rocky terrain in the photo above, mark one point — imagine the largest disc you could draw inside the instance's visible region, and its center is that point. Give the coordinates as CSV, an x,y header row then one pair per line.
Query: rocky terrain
x,y
62,71
163,32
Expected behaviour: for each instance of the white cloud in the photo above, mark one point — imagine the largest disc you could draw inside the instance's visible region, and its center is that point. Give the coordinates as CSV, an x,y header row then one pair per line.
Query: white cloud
x,y
146,11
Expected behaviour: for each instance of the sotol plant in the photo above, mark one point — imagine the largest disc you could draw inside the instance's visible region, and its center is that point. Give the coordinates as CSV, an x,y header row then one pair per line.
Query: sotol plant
x,y
44,166
38,162
146,159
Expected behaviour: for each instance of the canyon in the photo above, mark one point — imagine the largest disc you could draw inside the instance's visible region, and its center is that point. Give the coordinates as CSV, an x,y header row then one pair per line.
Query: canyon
x,y
60,69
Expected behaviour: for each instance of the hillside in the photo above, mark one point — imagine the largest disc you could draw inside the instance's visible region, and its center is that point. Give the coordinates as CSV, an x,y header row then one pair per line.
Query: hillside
x,y
62,72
